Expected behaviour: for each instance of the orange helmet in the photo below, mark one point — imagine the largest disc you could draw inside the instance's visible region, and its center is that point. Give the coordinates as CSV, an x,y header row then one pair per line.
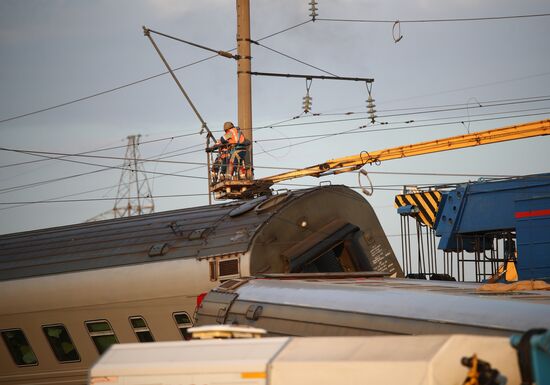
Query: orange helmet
x,y
228,126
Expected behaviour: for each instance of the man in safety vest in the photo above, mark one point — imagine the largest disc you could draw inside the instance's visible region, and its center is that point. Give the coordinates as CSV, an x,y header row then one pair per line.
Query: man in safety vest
x,y
237,144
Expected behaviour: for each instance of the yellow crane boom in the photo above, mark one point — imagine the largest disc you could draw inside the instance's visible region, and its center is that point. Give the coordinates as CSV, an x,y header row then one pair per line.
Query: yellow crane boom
x,y
354,162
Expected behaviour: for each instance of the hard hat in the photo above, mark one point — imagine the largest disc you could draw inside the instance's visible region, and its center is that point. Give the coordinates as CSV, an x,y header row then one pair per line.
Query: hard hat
x,y
228,125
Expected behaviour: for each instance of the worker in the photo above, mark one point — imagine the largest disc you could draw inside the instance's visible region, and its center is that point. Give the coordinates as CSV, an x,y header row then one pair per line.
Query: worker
x,y
237,145
219,166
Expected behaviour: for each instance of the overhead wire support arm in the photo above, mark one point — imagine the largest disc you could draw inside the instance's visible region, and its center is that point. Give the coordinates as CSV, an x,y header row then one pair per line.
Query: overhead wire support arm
x,y
219,52
322,77
147,32
204,126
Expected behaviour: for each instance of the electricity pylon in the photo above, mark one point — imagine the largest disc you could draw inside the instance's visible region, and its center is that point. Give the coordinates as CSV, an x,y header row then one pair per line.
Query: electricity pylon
x,y
134,195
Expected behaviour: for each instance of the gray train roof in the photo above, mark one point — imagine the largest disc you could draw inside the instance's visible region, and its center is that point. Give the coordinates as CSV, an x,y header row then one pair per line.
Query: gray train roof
x,y
195,232
437,301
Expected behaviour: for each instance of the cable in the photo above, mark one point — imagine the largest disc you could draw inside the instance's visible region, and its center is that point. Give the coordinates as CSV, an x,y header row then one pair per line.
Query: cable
x,y
469,87
437,20
315,137
94,190
403,114
95,199
545,112
135,82
284,30
293,58
324,136
438,108
105,168
103,149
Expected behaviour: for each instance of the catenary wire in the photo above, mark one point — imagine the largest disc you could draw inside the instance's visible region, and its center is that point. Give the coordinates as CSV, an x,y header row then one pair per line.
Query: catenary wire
x,y
430,109
135,82
279,123
295,59
201,164
488,18
545,112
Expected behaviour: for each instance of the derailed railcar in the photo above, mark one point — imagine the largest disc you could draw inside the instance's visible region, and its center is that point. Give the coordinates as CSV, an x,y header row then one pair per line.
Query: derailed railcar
x,y
67,293
340,306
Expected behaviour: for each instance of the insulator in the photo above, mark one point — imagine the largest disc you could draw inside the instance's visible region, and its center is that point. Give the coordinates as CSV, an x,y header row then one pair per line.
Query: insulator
x,y
313,9
306,106
371,110
307,100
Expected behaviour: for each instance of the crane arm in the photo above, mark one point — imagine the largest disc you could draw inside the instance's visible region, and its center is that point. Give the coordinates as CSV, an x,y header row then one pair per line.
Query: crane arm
x,y
354,162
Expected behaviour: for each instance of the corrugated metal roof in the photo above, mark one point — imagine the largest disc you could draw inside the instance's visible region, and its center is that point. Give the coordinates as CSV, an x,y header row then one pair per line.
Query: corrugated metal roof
x,y
186,233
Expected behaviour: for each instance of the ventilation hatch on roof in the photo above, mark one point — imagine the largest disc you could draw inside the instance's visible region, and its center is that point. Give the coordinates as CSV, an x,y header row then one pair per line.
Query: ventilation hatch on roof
x,y
246,207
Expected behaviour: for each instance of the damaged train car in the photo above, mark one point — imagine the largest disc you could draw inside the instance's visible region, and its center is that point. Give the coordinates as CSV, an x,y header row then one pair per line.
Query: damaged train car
x,y
70,292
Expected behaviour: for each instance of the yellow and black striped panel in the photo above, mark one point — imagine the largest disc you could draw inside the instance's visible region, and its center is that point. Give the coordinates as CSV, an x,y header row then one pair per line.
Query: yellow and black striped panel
x,y
427,203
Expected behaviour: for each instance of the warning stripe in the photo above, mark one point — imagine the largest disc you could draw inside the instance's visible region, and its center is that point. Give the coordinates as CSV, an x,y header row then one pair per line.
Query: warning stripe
x,y
427,203
532,213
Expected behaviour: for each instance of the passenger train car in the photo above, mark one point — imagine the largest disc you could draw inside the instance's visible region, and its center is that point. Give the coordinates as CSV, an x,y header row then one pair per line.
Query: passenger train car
x,y
375,305
68,293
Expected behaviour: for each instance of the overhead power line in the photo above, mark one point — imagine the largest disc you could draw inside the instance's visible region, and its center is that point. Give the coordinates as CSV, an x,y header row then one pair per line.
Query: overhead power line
x,y
94,199
293,58
427,110
101,150
386,116
488,18
137,81
360,130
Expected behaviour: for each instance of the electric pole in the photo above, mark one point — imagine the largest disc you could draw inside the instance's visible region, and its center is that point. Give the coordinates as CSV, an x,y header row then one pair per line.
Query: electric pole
x,y
244,82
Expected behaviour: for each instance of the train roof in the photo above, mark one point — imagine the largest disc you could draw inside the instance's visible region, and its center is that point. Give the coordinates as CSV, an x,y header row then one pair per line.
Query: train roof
x,y
434,303
197,232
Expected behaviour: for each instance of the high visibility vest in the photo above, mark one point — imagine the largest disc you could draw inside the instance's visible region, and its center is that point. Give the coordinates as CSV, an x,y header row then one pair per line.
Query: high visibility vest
x,y
235,136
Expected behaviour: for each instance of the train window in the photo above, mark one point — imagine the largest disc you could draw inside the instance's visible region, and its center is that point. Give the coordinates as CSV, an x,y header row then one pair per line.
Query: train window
x,y
228,267
102,334
143,333
183,322
19,347
213,273
61,343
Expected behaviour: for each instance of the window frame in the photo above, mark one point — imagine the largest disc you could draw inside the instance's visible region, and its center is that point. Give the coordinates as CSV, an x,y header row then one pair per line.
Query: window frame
x,y
100,334
43,327
146,328
186,336
2,331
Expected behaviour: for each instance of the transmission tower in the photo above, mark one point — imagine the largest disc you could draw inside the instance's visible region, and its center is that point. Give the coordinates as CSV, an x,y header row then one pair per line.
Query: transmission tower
x,y
134,195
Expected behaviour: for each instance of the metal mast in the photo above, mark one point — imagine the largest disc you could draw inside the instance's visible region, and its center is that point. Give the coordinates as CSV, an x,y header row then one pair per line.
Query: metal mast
x,y
244,83
134,195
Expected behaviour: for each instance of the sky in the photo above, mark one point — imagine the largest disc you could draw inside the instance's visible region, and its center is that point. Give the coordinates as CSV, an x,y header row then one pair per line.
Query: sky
x,y
441,79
